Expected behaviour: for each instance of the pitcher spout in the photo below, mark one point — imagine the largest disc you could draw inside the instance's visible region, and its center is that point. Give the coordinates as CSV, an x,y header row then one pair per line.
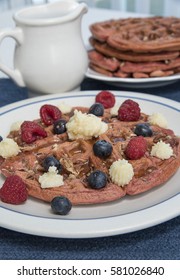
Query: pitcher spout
x,y
82,8
69,9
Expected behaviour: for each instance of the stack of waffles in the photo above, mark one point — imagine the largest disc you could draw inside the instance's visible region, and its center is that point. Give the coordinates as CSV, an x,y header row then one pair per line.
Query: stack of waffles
x,y
136,47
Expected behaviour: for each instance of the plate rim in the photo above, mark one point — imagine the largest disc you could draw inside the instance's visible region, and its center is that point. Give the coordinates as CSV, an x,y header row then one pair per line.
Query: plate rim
x,y
98,76
22,224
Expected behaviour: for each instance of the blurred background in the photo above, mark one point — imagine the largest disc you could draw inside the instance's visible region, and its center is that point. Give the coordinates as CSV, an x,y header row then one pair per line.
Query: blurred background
x,y
156,7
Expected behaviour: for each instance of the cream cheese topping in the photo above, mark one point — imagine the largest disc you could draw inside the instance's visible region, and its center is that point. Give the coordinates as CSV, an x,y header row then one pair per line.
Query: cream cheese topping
x,y
64,108
51,178
16,126
8,148
162,150
114,110
158,119
86,126
121,172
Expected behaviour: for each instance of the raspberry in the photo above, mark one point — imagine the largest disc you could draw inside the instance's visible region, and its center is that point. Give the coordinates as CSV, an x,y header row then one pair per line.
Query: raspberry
x,y
13,190
129,111
106,98
31,131
136,148
49,114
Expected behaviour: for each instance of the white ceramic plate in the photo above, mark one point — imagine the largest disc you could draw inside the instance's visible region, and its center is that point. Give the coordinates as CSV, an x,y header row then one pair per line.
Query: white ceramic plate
x,y
130,82
123,216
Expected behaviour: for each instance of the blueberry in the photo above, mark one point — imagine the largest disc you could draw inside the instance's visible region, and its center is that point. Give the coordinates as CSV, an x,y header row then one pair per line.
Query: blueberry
x,y
61,205
59,126
52,161
143,129
97,179
1,138
102,149
97,109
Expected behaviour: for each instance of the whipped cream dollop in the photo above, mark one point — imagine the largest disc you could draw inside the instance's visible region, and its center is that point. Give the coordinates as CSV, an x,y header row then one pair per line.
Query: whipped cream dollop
x,y
121,172
8,148
85,126
51,178
162,150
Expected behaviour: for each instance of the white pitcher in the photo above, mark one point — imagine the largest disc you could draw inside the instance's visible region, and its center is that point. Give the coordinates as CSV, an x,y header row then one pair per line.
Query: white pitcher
x,y
49,56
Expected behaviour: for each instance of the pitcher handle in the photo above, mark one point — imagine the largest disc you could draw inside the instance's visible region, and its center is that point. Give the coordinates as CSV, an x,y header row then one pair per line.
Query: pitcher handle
x,y
17,35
